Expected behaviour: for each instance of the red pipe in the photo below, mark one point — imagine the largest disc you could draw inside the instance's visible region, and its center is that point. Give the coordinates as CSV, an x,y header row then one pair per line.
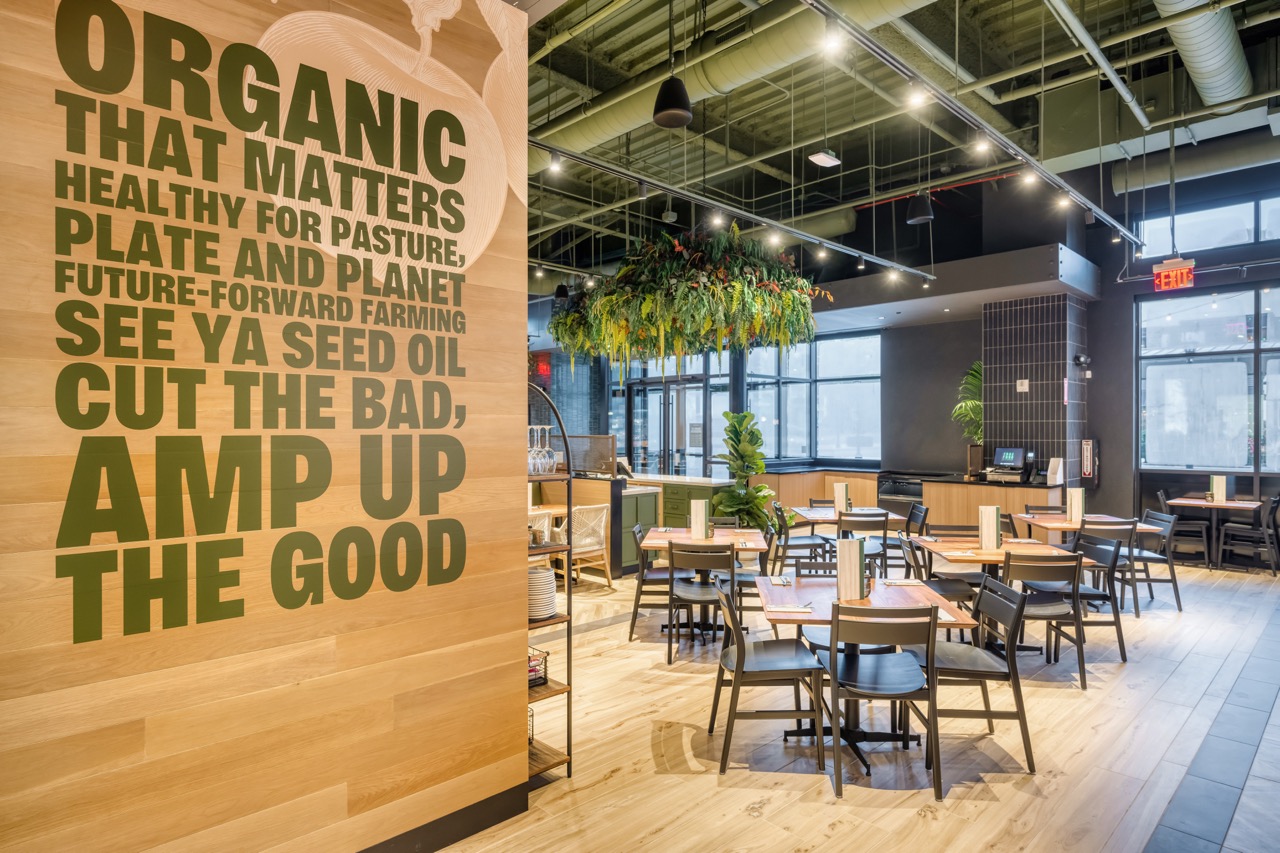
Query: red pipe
x,y
939,189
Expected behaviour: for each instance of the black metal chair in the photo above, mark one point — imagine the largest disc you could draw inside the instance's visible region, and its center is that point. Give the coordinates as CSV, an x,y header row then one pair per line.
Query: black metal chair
x,y
893,676
1256,540
998,610
1062,606
917,518
723,521
1041,509
1144,554
1106,554
698,592
788,548
653,581
1186,531
873,525
952,589
961,531
763,663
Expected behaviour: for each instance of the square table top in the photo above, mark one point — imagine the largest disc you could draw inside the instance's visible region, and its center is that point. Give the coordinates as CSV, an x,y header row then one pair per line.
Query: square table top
x,y
818,593
748,540
966,550
1218,503
827,514
1058,522
555,510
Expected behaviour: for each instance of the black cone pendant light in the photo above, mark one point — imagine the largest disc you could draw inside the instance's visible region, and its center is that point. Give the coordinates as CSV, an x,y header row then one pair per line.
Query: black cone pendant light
x,y
919,209
671,109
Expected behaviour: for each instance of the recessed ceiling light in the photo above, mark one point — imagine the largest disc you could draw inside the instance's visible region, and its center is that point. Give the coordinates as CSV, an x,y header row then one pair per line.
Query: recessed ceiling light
x,y
825,157
946,310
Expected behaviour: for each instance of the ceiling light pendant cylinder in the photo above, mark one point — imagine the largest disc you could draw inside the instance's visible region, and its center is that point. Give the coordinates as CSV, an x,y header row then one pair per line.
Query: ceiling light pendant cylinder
x,y
671,109
562,292
919,209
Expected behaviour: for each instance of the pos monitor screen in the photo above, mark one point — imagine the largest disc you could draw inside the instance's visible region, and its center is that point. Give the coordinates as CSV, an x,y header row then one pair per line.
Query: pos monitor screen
x,y
1009,457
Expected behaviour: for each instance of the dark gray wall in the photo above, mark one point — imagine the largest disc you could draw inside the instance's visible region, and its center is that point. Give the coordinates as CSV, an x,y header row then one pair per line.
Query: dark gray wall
x,y
921,367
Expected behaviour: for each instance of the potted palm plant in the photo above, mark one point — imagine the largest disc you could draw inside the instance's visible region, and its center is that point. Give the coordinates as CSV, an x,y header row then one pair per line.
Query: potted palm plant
x,y
968,414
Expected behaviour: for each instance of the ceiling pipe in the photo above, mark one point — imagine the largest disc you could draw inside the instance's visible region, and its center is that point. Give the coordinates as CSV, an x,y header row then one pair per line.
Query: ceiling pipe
x,y
781,46
928,124
1037,89
1216,157
1225,106
728,210
829,222
708,46
968,116
577,29
1211,52
939,56
1073,26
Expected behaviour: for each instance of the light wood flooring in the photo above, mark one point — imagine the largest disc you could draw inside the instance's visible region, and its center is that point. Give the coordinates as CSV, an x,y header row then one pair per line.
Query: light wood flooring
x,y
1109,759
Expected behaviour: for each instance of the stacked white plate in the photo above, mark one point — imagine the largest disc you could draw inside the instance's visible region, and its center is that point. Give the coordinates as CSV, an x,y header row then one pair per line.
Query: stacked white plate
x,y
542,594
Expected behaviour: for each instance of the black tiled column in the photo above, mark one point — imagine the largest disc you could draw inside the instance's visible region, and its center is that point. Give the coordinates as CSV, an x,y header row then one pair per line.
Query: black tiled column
x,y
1035,339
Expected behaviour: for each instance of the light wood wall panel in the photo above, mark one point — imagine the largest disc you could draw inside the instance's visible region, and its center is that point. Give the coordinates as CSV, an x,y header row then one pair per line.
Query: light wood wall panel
x,y
342,722
957,503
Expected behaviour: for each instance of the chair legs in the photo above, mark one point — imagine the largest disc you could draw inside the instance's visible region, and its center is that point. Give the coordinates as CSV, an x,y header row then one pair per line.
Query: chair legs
x,y
1021,708
635,609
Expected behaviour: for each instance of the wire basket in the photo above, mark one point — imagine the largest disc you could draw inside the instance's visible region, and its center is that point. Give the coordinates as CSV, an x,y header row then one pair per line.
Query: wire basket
x,y
537,666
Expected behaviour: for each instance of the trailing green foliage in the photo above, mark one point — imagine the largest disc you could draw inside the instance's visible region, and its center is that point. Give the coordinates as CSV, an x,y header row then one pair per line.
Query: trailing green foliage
x,y
968,412
749,503
697,293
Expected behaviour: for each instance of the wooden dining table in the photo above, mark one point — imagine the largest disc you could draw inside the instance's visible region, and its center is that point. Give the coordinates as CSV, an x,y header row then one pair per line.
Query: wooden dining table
x,y
747,540
1059,523
807,600
791,600
965,550
827,514
554,510
1214,506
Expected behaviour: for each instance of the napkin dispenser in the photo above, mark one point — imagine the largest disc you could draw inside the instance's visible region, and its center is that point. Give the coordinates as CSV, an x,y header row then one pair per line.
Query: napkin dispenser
x,y
1075,506
699,524
851,573
989,528
842,497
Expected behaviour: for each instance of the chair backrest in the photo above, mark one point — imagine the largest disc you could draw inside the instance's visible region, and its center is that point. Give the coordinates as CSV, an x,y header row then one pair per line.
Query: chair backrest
x,y
780,524
1103,551
1163,497
642,556
1269,516
589,527
815,569
723,520
1051,509
1164,520
885,626
816,502
917,517
1062,567
702,556
998,610
1007,527
733,635
961,531
874,522
1122,531
540,520
915,559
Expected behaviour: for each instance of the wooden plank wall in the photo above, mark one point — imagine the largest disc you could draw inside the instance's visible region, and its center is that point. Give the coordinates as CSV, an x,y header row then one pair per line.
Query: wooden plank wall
x,y
957,503
342,722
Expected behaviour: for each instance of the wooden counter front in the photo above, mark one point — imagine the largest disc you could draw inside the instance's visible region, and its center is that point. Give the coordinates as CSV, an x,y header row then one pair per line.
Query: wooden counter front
x,y
957,503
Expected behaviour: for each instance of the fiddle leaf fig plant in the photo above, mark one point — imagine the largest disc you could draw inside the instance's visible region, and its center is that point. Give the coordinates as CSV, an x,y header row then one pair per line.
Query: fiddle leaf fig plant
x,y
968,410
745,457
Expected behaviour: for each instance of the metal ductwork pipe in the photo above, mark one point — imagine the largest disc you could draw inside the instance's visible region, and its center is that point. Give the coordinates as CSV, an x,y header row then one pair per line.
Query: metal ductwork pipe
x,y
1217,157
1211,51
776,48
827,224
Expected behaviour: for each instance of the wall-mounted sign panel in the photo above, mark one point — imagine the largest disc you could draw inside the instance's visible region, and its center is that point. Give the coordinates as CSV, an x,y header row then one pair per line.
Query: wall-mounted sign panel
x,y
261,560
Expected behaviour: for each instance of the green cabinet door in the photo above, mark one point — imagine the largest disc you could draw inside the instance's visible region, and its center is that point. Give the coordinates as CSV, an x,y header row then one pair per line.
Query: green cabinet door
x,y
636,509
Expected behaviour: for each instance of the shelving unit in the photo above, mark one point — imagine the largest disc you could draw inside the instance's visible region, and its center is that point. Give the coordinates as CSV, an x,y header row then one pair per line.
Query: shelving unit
x,y
542,756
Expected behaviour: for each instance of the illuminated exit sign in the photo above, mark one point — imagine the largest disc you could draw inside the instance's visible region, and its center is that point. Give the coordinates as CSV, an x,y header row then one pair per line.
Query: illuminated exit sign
x,y
1175,274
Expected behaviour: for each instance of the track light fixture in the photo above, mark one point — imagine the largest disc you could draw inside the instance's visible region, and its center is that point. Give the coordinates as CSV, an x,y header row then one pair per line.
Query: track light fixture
x,y
862,263
537,271
717,219
1115,236
1064,201
822,253
917,96
1029,177
555,161
643,190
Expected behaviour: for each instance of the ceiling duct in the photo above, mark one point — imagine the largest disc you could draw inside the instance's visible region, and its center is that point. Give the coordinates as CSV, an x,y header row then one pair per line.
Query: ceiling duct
x,y
1211,51
778,47
825,223
1242,151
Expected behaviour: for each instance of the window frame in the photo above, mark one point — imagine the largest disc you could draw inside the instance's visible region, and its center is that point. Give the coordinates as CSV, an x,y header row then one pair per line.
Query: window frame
x,y
1256,200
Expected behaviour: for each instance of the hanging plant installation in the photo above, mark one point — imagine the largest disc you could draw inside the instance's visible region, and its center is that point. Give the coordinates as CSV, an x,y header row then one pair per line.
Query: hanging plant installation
x,y
689,295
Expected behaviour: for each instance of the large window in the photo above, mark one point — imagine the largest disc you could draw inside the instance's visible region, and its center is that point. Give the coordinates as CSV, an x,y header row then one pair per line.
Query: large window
x,y
847,397
778,395
1212,227
1209,382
